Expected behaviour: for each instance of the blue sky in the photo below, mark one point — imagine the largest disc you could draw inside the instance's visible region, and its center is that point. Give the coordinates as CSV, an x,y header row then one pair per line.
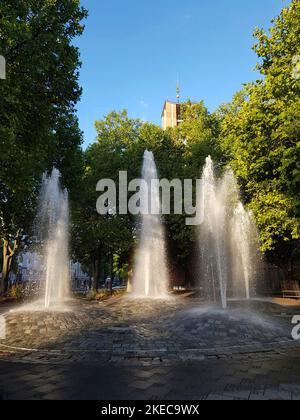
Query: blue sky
x,y
133,51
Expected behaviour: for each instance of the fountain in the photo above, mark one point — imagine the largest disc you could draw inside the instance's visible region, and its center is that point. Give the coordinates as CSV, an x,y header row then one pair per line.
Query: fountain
x,y
53,229
242,229
151,274
228,239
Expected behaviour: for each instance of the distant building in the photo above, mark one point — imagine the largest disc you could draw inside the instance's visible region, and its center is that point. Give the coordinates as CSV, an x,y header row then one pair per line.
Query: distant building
x,y
77,272
170,115
174,113
31,268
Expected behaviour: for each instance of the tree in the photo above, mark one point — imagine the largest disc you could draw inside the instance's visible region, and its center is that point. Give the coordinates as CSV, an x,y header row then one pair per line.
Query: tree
x,y
121,143
199,131
194,139
39,127
260,135
10,247
97,238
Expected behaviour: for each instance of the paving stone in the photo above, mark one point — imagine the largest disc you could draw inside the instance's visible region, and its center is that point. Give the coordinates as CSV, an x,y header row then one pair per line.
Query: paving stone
x,y
274,394
296,396
290,387
155,350
257,396
238,394
219,397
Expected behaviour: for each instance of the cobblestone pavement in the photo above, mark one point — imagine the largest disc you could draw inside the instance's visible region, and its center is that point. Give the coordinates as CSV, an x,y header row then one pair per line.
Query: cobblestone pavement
x,y
260,377
140,349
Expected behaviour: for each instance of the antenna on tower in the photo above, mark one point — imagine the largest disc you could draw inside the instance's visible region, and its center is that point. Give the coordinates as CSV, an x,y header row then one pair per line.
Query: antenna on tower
x,y
178,91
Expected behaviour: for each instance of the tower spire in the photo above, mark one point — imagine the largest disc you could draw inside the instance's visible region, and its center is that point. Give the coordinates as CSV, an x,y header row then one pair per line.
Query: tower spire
x,y
178,91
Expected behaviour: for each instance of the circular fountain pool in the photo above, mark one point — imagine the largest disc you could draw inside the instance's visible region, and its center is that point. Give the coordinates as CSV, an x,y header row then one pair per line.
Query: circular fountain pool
x,y
135,330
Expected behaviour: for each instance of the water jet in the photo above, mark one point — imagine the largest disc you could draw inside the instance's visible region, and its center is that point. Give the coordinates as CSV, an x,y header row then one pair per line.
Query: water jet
x,y
228,239
52,226
151,274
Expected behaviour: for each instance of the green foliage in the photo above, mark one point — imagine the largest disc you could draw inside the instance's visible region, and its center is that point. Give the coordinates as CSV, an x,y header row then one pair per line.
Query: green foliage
x,y
16,292
121,143
260,134
97,238
198,132
103,294
39,127
120,268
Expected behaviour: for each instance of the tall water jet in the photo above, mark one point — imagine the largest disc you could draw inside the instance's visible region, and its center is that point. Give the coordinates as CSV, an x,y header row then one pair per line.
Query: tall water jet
x,y
53,230
228,239
151,275
242,231
213,238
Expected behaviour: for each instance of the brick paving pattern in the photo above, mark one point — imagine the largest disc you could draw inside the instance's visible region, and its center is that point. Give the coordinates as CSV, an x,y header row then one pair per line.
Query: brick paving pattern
x,y
132,349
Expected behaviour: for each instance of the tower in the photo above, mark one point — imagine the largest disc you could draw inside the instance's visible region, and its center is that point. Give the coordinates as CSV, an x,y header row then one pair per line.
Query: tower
x,y
171,111
178,92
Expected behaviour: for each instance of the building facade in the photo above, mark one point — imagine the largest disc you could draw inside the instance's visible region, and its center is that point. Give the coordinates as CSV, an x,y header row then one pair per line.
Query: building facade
x,y
170,115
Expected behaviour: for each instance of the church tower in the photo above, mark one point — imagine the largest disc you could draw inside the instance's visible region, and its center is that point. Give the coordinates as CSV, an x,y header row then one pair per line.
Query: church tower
x,y
171,112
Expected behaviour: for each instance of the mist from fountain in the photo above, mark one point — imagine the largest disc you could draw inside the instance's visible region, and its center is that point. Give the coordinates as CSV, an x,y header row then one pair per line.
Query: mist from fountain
x,y
229,256
150,278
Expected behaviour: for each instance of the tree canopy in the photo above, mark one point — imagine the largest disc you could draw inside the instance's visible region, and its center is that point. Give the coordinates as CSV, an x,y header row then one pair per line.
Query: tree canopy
x,y
260,133
121,143
257,134
39,127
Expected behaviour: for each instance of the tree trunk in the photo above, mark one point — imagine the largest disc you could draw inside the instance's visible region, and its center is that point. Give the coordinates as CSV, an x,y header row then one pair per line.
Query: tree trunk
x,y
6,265
96,270
101,269
288,268
111,270
189,281
8,253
